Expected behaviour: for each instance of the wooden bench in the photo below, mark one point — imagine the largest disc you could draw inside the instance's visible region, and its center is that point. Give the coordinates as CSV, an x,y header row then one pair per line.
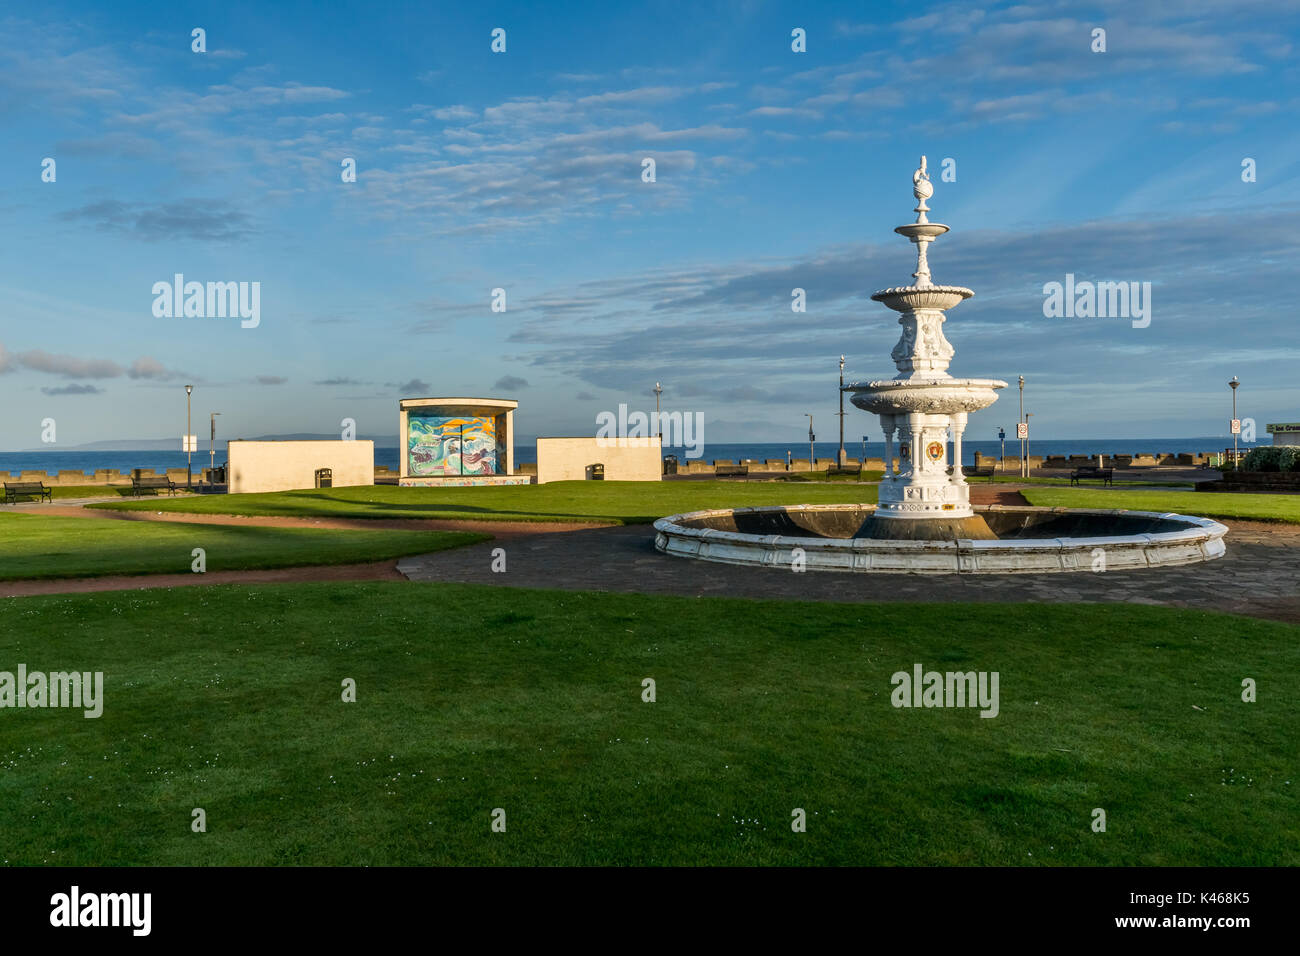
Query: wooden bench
x,y
157,484
27,488
1091,473
733,471
970,471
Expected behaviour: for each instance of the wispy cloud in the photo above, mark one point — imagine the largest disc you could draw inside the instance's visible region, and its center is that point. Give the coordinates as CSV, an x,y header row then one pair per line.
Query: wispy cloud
x,y
72,389
68,366
200,219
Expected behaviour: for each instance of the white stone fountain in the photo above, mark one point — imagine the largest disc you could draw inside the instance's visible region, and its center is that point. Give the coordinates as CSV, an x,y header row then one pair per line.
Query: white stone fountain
x,y
924,522
927,498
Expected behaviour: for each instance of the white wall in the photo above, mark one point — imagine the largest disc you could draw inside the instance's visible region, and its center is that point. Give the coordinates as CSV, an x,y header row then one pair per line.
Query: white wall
x,y
288,465
566,459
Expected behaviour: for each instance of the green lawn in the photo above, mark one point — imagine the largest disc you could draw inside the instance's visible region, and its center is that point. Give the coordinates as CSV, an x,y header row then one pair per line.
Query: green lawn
x,y
1201,504
35,546
626,502
473,698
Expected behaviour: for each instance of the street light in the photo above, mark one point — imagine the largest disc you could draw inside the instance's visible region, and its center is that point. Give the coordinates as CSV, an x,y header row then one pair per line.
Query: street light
x,y
212,448
840,460
189,447
812,454
659,390
1002,437
1236,428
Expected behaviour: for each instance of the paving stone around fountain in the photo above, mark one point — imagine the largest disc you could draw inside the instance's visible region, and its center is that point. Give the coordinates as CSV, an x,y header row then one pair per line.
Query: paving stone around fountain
x,y
1259,576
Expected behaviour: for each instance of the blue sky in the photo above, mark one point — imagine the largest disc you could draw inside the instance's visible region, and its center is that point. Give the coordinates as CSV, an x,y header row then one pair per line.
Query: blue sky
x,y
522,171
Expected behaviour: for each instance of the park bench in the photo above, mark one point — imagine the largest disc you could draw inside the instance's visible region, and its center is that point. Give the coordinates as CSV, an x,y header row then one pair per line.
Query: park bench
x,y
1091,472
971,471
734,471
27,488
139,484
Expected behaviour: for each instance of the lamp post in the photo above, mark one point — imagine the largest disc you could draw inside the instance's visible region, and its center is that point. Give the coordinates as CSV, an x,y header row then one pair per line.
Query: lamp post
x,y
189,449
1236,429
659,390
840,461
1002,437
1021,419
212,448
812,454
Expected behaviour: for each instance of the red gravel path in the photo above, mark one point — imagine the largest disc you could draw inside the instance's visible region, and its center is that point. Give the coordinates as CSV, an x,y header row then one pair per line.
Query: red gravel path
x,y
499,529
993,495
373,571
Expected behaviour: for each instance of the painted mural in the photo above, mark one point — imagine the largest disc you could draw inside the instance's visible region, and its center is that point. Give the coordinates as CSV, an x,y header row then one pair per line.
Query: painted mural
x,y
451,445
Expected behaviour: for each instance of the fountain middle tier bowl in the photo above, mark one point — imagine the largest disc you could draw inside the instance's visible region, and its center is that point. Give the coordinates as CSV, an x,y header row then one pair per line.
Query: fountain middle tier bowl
x,y
1028,540
929,396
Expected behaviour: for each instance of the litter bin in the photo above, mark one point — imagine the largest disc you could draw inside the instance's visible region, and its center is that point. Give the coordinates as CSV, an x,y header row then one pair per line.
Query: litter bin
x,y
596,472
670,464
324,478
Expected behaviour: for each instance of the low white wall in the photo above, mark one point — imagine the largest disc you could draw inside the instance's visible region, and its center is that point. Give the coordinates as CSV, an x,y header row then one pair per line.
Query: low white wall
x,y
628,459
289,465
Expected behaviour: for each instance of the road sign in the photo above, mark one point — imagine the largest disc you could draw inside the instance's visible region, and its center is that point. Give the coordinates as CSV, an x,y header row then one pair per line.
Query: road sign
x,y
189,443
1022,429
1236,426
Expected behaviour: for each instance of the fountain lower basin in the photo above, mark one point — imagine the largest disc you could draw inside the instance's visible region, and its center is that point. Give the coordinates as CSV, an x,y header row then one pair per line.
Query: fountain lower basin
x,y
1029,540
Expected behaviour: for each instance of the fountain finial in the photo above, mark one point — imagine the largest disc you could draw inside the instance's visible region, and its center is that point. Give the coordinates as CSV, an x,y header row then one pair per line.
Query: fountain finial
x,y
922,189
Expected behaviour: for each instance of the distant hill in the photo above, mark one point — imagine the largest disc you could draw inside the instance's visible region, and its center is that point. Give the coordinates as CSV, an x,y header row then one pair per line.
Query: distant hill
x,y
173,444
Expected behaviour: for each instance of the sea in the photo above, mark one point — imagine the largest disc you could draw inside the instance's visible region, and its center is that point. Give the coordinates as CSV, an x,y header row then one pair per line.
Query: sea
x,y
124,461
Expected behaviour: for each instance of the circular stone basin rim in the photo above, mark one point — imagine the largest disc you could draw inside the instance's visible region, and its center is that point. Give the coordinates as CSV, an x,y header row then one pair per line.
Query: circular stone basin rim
x,y
1198,539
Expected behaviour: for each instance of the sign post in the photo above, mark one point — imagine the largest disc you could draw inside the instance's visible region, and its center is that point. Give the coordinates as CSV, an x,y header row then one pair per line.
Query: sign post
x,y
189,445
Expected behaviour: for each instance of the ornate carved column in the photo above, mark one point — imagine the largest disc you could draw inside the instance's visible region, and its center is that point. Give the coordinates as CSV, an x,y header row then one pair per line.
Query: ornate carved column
x,y
915,438
887,423
958,426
